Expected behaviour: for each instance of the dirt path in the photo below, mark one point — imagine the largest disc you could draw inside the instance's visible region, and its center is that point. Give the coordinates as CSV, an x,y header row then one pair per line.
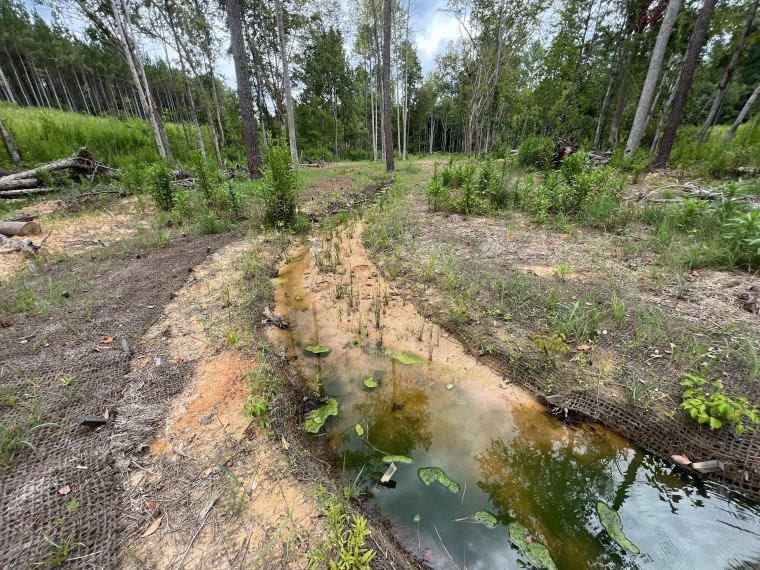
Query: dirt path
x,y
224,490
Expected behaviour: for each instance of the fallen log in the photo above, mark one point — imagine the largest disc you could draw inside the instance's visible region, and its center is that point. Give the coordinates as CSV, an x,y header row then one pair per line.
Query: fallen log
x,y
27,192
11,229
9,183
24,245
83,161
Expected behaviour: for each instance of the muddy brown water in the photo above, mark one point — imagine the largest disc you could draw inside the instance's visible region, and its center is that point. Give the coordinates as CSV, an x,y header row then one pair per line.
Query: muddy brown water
x,y
508,454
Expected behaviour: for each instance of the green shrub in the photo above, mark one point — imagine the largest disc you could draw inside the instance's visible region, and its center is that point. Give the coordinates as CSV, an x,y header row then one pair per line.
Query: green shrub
x,y
159,181
437,192
280,187
706,402
741,235
536,152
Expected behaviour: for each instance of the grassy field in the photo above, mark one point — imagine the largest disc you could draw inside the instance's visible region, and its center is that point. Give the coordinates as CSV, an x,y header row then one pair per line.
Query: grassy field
x,y
43,135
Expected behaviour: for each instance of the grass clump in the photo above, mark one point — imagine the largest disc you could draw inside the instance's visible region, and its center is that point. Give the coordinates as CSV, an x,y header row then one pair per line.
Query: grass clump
x,y
344,547
264,385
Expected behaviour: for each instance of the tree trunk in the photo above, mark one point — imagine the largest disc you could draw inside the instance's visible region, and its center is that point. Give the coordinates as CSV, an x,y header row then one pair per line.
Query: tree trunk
x,y
250,141
7,87
650,83
387,13
286,82
698,36
617,119
608,98
373,107
10,144
728,74
742,114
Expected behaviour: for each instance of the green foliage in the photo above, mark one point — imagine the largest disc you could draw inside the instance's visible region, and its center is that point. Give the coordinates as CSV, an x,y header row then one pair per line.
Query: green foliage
x,y
707,403
159,181
344,546
315,419
741,235
16,436
430,475
280,188
264,386
536,152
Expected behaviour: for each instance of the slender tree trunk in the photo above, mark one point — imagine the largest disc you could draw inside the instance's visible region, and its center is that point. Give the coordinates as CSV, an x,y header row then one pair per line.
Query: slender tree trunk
x,y
7,87
650,83
374,115
10,144
335,122
495,91
728,74
742,114
697,41
217,105
250,141
432,134
387,12
286,82
18,79
664,113
608,98
617,119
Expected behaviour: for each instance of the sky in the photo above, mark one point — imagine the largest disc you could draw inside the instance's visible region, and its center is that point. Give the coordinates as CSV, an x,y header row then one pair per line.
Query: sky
x,y
432,31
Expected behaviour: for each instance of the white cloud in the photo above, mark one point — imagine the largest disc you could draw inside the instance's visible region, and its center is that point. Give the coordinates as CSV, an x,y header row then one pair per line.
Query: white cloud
x,y
436,32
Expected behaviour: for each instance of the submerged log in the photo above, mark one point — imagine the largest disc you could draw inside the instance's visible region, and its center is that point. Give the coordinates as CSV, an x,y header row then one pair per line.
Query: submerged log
x,y
11,229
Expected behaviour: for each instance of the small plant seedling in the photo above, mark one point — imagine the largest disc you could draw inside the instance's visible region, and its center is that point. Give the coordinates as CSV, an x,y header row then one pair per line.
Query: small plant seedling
x,y
73,506
706,403
68,380
232,339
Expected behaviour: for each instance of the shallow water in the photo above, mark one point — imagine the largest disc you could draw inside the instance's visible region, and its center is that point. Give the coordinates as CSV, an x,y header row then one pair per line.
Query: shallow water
x,y
508,454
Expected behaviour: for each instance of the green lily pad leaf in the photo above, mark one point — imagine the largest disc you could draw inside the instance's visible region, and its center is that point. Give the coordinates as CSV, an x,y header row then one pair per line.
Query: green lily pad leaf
x,y
371,383
404,357
359,430
318,349
397,459
534,551
315,419
611,522
449,386
433,474
416,517
484,518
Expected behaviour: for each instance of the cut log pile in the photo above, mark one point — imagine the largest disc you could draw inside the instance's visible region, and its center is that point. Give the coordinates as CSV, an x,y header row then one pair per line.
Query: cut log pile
x,y
21,226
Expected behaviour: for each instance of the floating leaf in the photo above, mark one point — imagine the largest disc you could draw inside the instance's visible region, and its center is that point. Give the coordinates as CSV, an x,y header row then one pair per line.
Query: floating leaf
x,y
397,459
315,419
534,551
611,522
416,517
359,430
449,386
484,518
433,474
152,528
318,349
371,382
404,357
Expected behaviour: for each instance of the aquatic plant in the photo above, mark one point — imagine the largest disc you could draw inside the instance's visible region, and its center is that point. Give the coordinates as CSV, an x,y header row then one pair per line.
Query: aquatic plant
x,y
371,383
359,430
318,349
404,357
611,522
429,475
534,551
397,459
315,419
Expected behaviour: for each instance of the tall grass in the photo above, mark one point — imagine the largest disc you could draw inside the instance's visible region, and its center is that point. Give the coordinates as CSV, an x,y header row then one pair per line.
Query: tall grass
x,y
714,157
43,135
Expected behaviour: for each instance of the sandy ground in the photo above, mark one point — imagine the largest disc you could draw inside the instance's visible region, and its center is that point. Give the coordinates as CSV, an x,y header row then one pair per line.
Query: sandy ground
x,y
223,489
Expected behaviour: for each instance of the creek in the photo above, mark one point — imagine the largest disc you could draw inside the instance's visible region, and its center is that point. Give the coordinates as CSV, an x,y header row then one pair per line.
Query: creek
x,y
439,406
